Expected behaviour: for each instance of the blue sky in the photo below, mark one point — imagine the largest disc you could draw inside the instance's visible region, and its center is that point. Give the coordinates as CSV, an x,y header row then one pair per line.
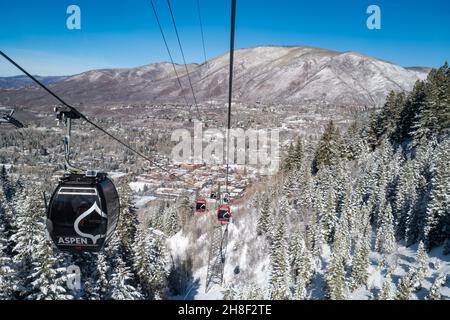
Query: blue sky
x,y
125,34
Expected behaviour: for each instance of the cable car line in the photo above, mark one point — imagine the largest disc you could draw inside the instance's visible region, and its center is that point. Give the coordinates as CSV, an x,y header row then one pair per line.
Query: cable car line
x,y
169,53
230,84
78,114
201,31
86,206
184,59
204,51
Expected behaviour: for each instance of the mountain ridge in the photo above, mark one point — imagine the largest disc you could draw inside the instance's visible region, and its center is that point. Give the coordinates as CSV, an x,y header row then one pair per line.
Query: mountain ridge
x,y
272,74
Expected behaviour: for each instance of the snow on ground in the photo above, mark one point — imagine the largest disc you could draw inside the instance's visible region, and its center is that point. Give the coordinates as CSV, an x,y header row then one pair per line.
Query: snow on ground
x,y
400,263
246,259
178,245
6,165
140,202
138,186
214,293
248,262
196,290
116,174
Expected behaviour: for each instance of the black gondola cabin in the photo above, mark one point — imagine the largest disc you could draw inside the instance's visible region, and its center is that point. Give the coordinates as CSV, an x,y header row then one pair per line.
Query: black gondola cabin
x,y
83,212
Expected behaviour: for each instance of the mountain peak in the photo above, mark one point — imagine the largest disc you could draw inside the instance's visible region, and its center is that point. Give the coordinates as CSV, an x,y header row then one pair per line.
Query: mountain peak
x,y
273,74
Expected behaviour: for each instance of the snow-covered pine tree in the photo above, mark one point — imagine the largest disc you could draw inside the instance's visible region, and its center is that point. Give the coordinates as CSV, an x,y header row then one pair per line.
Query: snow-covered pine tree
x,y
309,236
433,118
284,208
293,157
47,280
156,217
352,144
142,262
372,131
253,292
304,190
342,239
101,277
406,197
335,277
288,186
318,240
300,289
413,105
119,285
380,179
263,225
302,264
308,267
329,216
279,266
7,273
387,292
297,176
126,226
437,224
416,215
171,221
352,216
328,149
184,209
288,163
422,262
385,241
435,290
8,220
30,234
360,265
232,292
405,286
298,154
295,252
150,263
335,273
390,114
88,292
6,184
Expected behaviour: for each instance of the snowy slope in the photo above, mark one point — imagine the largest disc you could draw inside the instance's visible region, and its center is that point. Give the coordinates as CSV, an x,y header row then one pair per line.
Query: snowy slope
x,y
250,254
294,75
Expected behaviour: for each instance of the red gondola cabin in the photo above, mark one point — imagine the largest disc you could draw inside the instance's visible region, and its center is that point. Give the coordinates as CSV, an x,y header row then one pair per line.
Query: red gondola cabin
x,y
200,206
224,213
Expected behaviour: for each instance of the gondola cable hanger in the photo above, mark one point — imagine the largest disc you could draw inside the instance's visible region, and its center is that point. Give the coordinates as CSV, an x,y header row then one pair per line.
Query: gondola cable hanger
x,y
10,119
74,113
96,186
84,208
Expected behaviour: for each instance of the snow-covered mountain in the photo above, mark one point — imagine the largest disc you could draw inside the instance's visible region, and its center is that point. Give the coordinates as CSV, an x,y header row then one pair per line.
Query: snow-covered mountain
x,y
290,75
23,81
